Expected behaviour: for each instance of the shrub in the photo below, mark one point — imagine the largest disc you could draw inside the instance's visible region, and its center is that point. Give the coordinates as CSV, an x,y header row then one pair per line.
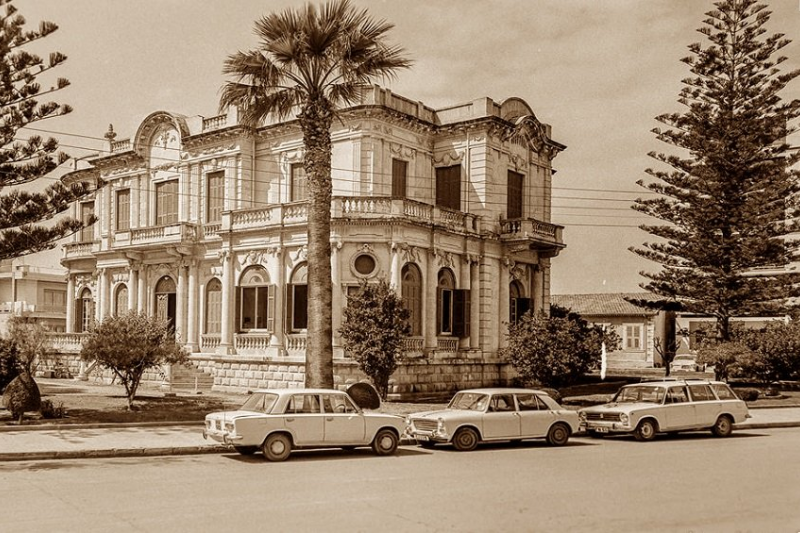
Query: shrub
x,y
748,395
21,396
49,410
8,362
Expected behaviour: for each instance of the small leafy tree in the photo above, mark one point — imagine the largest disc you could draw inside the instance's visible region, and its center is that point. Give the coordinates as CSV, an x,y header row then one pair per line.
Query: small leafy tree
x,y
725,357
775,351
555,350
129,345
375,323
30,338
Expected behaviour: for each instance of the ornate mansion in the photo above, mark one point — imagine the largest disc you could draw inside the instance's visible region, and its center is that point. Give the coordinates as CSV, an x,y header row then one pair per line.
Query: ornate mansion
x,y
203,222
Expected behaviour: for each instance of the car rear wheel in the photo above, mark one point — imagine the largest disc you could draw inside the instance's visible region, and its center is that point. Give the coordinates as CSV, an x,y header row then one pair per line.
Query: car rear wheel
x,y
646,430
723,427
558,435
385,442
246,450
277,447
465,440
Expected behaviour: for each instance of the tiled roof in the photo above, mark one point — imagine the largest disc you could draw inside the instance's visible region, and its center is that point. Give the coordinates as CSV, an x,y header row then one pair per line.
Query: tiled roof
x,y
604,304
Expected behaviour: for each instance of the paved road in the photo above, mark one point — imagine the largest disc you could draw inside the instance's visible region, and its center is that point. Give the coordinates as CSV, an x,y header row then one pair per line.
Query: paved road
x,y
683,483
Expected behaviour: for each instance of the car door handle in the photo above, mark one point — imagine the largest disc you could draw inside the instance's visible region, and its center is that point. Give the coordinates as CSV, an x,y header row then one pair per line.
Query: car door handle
x,y
329,419
290,419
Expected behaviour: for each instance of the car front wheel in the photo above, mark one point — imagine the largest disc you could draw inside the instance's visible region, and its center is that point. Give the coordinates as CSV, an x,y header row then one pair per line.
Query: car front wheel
x,y
723,427
385,442
646,430
558,435
465,439
277,447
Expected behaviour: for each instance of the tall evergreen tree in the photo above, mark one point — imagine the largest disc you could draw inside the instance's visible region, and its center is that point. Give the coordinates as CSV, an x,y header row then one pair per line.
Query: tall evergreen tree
x,y
23,211
730,200
312,60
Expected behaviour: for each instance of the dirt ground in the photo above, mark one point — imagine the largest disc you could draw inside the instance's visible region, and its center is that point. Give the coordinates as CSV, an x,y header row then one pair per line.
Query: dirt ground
x,y
95,402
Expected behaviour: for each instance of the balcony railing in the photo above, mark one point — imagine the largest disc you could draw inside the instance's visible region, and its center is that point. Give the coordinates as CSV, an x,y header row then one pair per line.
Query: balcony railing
x,y
209,341
447,344
79,250
67,342
174,233
214,123
525,229
252,341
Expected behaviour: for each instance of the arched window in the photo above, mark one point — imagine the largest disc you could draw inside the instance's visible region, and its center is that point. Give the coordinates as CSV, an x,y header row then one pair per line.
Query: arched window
x,y
256,300
297,305
452,306
213,307
120,299
85,311
445,289
519,304
166,301
412,297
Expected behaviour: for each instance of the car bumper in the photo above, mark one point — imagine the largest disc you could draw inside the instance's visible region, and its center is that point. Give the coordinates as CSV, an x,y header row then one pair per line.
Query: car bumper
x,y
428,436
607,427
221,437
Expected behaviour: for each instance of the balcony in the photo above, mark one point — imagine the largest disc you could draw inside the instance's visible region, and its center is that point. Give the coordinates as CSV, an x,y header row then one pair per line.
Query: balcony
x,y
173,234
353,208
80,250
532,234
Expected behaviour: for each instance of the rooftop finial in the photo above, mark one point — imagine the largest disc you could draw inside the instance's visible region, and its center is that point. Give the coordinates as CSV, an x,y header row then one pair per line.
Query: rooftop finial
x,y
110,134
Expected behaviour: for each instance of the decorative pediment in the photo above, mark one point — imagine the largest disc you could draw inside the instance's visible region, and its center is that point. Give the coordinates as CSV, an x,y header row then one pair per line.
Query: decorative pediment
x,y
159,138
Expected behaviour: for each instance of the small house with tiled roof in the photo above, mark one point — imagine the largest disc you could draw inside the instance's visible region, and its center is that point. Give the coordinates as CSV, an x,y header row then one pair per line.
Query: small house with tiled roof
x,y
641,330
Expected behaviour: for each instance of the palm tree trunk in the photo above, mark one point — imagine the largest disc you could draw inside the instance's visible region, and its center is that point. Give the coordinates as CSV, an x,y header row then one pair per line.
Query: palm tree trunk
x,y
315,121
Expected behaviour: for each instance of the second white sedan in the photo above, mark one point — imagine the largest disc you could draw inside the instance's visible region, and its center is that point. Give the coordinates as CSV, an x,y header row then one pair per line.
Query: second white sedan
x,y
494,414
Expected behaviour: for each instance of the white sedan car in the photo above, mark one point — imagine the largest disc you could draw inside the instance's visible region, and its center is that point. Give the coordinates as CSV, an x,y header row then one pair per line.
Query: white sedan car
x,y
276,421
494,414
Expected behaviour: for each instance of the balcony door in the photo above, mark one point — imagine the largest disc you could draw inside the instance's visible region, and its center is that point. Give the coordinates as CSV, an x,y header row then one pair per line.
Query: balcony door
x,y
166,301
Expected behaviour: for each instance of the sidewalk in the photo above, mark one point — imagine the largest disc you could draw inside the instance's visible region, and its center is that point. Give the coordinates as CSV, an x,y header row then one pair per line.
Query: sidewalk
x,y
88,441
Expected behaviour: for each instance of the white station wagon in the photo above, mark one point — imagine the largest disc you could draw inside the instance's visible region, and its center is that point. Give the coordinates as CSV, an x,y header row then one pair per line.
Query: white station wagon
x,y
647,408
276,421
494,414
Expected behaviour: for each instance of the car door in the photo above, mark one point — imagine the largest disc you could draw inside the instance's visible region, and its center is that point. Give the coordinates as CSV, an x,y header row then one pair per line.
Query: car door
x,y
678,409
304,419
535,416
344,423
501,420
706,405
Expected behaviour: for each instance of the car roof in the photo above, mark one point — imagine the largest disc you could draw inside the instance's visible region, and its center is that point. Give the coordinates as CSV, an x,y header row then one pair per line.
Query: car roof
x,y
300,391
681,381
503,390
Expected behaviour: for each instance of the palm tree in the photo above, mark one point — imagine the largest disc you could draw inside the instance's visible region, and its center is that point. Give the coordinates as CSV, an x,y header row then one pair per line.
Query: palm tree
x,y
312,60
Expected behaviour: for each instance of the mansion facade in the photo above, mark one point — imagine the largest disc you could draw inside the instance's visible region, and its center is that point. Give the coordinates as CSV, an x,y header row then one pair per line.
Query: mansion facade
x,y
203,222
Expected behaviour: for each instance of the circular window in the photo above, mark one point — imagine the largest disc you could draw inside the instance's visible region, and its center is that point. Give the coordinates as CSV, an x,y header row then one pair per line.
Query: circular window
x,y
364,265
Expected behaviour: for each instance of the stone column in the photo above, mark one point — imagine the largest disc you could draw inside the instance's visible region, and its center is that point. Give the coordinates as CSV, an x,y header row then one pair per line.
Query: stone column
x,y
395,272
475,304
503,301
429,317
70,325
180,304
192,314
226,336
141,303
133,287
100,299
337,298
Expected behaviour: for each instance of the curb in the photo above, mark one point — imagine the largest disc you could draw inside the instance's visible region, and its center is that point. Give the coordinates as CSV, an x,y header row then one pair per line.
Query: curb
x,y
117,452
98,425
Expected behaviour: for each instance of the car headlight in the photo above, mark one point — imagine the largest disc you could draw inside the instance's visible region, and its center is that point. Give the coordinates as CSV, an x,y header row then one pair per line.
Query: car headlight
x,y
624,418
229,427
582,416
440,426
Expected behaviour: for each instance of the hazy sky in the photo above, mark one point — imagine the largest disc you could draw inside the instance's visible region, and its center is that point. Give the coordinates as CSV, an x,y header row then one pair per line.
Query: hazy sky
x,y
598,71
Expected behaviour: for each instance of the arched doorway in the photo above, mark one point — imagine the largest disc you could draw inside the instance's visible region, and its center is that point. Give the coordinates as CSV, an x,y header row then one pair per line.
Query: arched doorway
x,y
166,301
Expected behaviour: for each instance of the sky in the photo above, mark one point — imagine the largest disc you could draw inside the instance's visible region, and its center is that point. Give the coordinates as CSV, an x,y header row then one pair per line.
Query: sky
x,y
597,71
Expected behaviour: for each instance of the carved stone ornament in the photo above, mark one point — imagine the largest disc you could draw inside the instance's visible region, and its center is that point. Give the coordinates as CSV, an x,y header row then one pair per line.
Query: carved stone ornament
x,y
444,259
448,158
119,276
402,151
300,255
84,282
408,254
365,248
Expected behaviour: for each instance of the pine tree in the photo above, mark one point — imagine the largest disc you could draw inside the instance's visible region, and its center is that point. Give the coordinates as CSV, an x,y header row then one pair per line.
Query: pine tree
x,y
24,157
730,200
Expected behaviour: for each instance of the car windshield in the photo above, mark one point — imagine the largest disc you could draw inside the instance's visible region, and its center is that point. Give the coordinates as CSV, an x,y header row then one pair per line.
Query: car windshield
x,y
260,402
640,393
469,401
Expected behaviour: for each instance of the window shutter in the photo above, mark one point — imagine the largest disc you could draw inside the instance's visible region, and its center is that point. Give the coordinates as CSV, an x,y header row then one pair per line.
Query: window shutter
x,y
461,313
439,296
271,308
287,309
238,309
